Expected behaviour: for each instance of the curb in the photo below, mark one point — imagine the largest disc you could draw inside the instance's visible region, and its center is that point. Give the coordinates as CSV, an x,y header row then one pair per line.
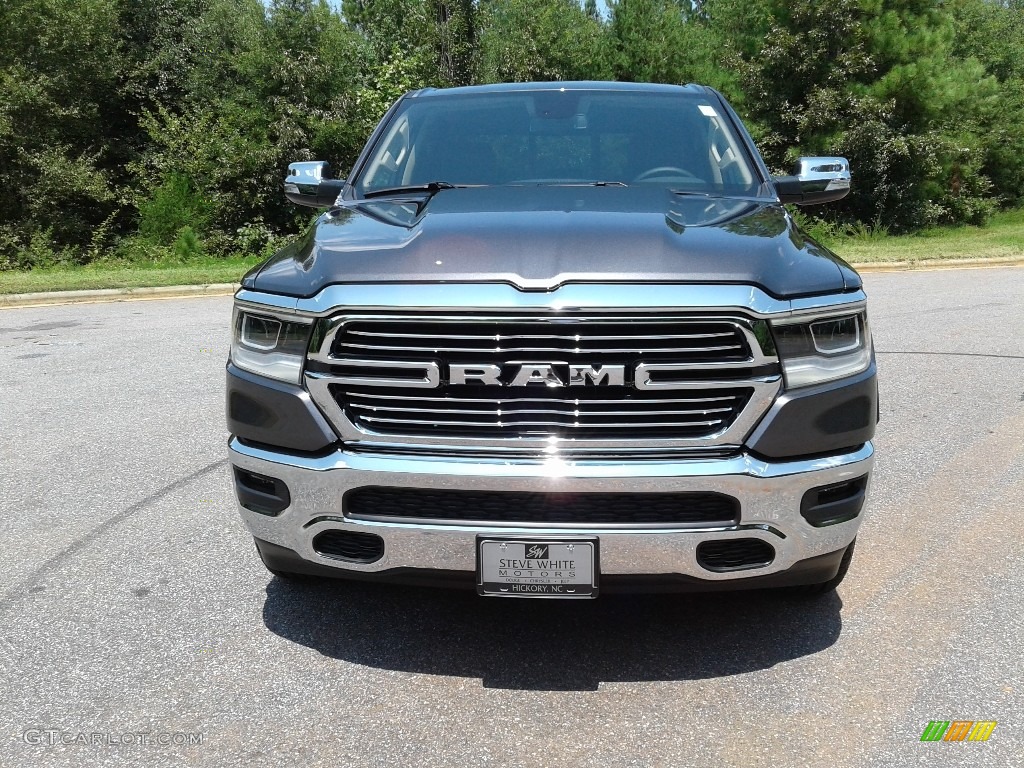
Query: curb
x,y
932,264
226,289
114,294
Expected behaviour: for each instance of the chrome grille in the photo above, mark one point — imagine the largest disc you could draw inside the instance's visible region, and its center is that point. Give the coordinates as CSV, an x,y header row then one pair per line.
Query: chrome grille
x,y
593,413
683,381
498,340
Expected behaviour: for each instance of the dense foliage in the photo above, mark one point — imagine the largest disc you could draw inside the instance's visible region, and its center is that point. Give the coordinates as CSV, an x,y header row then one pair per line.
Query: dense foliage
x,y
134,129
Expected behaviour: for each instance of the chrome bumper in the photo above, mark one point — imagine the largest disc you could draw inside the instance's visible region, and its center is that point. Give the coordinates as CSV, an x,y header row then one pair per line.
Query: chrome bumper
x,y
769,495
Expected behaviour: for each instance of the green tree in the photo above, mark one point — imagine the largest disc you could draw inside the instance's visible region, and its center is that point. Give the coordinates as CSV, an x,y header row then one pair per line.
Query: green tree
x,y
665,41
264,87
993,34
436,39
61,125
410,44
524,40
876,80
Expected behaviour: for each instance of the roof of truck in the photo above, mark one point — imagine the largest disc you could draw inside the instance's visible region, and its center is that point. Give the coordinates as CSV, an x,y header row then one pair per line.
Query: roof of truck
x,y
574,85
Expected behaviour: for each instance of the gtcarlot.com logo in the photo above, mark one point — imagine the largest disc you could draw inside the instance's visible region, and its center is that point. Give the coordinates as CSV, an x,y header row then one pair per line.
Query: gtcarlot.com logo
x,y
958,730
48,737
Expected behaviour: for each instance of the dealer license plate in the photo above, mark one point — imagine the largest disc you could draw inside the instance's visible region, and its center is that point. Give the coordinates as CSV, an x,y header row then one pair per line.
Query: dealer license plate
x,y
537,567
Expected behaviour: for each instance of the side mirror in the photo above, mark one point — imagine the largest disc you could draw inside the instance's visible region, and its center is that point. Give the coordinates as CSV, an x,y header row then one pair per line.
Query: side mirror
x,y
816,180
310,184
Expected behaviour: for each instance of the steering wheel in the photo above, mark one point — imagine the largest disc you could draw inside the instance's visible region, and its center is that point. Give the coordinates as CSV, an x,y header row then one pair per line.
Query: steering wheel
x,y
664,170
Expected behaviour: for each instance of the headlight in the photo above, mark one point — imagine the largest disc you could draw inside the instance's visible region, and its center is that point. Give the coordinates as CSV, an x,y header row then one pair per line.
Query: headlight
x,y
269,346
823,349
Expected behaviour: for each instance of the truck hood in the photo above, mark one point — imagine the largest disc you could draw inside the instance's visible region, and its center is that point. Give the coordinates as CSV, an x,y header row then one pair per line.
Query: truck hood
x,y
540,237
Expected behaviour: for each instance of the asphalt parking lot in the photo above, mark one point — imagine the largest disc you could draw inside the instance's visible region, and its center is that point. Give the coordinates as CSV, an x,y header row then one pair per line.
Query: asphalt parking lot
x,y
133,607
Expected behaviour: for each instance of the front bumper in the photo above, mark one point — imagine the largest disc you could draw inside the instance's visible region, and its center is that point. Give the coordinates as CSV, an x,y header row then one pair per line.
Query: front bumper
x,y
769,492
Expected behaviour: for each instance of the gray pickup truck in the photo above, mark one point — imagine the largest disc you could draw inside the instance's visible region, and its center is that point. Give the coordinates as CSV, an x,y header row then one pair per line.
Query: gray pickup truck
x,y
552,339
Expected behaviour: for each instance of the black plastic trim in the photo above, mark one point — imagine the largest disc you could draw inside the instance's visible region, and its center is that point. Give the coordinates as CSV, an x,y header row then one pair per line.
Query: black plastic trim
x,y
814,570
741,130
824,419
349,546
274,413
349,193
260,493
835,503
692,509
749,553
791,190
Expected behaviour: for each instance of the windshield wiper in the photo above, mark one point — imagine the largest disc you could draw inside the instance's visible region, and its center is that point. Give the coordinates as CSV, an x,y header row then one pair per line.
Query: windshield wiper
x,y
431,187
694,193
555,183
716,195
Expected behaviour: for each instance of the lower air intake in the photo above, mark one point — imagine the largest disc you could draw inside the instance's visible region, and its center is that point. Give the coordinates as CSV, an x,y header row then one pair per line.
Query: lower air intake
x,y
734,554
692,510
349,545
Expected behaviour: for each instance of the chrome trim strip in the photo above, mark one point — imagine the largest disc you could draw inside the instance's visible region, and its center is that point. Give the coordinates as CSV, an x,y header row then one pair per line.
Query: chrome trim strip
x,y
532,350
644,370
330,327
590,528
271,310
815,305
518,423
568,297
431,374
438,467
547,400
552,411
266,302
630,452
578,527
830,313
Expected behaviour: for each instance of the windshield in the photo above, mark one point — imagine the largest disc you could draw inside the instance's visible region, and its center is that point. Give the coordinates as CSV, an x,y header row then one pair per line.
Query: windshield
x,y
678,140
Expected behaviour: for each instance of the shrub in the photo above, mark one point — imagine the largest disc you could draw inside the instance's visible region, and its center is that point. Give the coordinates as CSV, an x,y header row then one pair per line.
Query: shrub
x,y
187,245
174,206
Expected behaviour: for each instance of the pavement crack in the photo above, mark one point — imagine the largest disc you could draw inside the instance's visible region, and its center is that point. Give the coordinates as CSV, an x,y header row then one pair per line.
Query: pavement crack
x,y
950,354
17,591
